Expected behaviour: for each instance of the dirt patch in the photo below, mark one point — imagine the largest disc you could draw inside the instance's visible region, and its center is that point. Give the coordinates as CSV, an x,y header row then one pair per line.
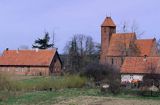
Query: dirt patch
x,y
90,100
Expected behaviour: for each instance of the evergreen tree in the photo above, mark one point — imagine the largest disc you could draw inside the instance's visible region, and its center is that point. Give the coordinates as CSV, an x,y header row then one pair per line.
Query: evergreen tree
x,y
43,43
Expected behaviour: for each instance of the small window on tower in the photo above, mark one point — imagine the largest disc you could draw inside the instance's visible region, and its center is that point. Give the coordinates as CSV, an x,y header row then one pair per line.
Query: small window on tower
x,y
112,61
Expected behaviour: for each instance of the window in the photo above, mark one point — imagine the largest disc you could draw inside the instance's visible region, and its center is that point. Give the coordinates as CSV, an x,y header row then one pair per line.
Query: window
x,y
112,61
121,61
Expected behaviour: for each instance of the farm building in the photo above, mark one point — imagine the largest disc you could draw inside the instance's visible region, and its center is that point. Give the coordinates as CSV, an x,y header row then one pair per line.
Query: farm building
x,y
31,62
134,68
134,57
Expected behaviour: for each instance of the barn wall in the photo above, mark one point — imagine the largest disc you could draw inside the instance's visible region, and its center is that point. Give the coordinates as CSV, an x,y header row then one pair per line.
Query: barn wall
x,y
26,70
56,66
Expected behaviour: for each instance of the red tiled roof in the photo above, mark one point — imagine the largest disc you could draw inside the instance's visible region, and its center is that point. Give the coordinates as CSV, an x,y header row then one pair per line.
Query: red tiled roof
x,y
27,57
108,22
118,43
145,46
140,65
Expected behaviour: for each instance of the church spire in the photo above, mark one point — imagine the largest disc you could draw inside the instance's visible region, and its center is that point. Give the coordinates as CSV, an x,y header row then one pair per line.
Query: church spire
x,y
108,22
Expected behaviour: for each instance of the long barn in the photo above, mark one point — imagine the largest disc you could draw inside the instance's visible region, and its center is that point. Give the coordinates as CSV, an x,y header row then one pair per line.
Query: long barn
x,y
31,62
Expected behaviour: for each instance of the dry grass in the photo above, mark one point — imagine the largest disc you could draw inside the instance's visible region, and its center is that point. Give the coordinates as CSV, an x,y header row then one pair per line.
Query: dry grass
x,y
22,77
94,100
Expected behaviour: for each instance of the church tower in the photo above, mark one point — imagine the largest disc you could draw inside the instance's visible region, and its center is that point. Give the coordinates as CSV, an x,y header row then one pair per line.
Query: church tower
x,y
107,29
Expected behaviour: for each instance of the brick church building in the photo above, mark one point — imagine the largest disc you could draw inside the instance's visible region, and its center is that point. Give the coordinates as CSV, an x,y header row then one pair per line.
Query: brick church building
x,y
134,57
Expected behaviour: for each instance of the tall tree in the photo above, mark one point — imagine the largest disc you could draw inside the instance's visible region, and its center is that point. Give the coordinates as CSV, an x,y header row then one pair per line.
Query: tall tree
x,y
80,51
43,43
158,46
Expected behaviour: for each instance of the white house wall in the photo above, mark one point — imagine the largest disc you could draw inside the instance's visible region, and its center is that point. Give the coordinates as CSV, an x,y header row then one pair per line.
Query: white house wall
x,y
131,77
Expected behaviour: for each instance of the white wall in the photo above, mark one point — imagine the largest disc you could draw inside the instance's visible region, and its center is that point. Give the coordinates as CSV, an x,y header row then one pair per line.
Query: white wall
x,y
130,77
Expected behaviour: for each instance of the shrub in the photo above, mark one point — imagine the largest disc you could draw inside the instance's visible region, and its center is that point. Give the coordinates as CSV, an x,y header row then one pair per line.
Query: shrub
x,y
5,82
104,74
49,83
115,87
151,79
42,83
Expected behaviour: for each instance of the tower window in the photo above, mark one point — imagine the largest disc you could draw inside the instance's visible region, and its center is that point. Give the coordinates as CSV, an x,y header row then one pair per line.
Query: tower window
x,y
112,61
121,61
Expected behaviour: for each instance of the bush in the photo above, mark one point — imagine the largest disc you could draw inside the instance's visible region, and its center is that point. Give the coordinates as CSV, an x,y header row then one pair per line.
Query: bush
x,y
49,83
41,83
151,79
104,74
5,82
114,87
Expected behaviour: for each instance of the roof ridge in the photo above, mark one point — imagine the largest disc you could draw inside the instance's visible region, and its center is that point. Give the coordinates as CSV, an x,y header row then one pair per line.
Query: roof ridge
x,y
125,33
31,49
145,39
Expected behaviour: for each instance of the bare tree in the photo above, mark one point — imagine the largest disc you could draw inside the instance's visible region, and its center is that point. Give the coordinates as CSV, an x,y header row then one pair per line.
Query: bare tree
x,y
158,46
53,39
133,27
81,50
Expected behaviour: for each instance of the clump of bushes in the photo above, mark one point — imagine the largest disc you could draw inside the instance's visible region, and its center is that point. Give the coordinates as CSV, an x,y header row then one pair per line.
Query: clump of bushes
x,y
5,82
104,74
12,88
41,83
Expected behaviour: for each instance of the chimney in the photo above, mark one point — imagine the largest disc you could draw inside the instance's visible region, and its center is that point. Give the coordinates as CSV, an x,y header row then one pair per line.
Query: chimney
x,y
37,49
17,51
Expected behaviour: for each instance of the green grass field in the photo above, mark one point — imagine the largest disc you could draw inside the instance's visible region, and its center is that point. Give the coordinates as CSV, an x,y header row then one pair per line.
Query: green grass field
x,y
63,93
48,97
53,97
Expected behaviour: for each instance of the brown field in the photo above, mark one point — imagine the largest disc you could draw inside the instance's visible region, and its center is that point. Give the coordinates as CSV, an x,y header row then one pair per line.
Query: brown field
x,y
93,100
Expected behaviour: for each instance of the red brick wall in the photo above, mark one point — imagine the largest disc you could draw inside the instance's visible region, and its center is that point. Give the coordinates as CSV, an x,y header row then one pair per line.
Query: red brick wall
x,y
26,70
106,33
116,61
56,66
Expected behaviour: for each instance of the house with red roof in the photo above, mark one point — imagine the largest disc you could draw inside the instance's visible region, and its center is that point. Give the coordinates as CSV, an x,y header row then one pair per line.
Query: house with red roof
x,y
134,57
31,62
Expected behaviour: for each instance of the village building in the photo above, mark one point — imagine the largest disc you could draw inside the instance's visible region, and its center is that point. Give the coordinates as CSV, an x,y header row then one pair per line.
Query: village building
x,y
134,57
31,62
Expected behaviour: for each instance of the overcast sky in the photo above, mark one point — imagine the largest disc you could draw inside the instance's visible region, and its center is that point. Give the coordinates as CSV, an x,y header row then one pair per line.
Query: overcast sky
x,y
23,21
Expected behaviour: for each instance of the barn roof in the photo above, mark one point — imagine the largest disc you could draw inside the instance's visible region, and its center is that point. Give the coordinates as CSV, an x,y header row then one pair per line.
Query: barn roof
x,y
141,65
108,22
27,57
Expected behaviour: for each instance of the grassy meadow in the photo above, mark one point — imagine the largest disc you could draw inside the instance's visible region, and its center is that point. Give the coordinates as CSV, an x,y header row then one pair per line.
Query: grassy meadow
x,y
64,90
